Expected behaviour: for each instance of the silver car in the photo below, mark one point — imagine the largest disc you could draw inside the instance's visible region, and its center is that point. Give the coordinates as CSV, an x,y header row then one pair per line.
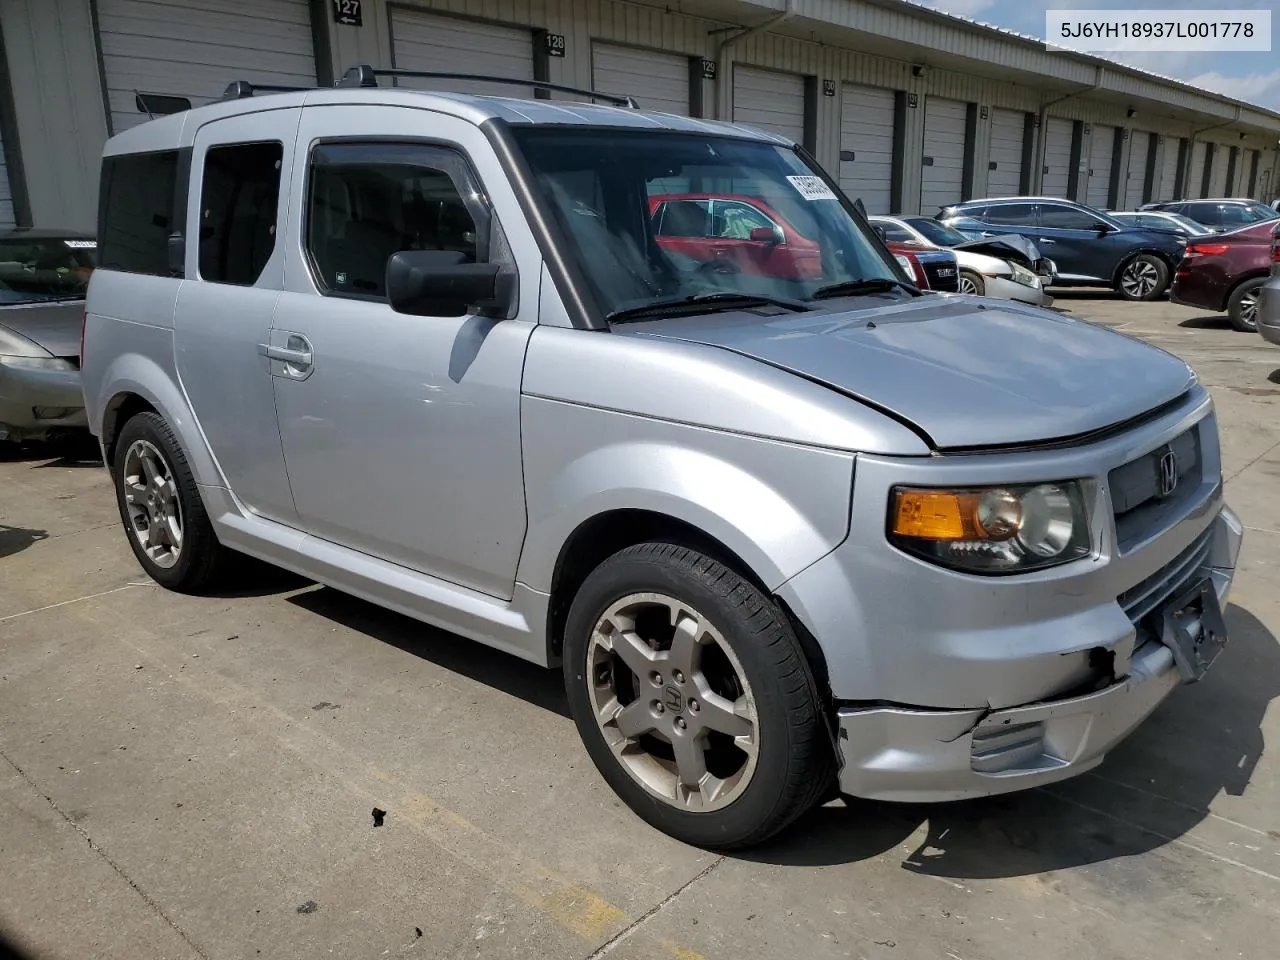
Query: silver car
x,y
789,526
43,277
1268,314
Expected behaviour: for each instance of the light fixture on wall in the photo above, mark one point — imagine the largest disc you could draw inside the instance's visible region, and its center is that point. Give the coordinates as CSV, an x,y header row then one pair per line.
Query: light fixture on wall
x,y
919,70
1131,113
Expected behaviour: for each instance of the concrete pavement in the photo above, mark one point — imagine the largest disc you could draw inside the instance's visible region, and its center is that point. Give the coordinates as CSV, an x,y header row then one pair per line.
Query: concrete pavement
x,y
194,777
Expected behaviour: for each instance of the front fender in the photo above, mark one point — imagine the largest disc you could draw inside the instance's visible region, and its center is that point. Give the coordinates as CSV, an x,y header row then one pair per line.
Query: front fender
x,y
134,372
779,507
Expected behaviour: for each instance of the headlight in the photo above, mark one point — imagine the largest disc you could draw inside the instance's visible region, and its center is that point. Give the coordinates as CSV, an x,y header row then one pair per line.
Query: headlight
x,y
1024,276
37,363
992,530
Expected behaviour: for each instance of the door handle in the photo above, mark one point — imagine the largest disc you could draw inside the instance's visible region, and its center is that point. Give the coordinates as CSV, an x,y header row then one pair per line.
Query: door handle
x,y
1046,240
294,357
298,358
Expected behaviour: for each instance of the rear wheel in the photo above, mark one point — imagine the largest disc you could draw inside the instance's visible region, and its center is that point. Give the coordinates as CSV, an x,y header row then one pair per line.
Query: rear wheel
x,y
161,509
693,697
1145,277
972,283
1242,306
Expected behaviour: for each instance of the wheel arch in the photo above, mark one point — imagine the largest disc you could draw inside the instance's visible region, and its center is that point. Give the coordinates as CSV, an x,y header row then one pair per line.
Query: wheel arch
x,y
1132,255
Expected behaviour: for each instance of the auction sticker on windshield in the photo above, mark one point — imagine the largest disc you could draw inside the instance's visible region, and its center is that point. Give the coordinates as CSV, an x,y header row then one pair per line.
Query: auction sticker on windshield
x,y
812,188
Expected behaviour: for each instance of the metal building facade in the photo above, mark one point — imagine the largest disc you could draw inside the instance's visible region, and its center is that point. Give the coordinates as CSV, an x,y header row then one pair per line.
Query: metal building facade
x,y
899,102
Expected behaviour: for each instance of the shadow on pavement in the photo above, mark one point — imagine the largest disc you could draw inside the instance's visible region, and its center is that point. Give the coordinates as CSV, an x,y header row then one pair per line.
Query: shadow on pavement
x,y
16,539
1153,788
1212,321
69,451
501,671
10,951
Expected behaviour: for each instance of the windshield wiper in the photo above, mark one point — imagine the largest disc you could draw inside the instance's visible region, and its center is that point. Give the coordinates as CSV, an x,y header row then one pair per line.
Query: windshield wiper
x,y
853,288
704,303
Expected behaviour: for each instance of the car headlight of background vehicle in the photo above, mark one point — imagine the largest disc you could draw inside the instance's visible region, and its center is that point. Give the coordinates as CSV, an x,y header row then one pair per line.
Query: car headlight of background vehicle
x,y
993,530
1024,276
17,351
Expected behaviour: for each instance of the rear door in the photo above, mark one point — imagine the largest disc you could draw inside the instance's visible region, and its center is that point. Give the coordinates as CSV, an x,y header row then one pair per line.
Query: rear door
x,y
235,270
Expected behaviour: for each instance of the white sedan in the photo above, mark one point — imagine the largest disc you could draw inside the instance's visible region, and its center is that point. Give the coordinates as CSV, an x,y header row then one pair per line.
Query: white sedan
x,y
980,273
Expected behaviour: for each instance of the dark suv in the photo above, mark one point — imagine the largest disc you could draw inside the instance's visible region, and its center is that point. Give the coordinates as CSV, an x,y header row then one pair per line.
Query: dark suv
x,y
1219,214
1090,248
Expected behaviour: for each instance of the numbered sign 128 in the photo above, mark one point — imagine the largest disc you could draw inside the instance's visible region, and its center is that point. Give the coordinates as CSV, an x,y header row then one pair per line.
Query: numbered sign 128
x,y
348,13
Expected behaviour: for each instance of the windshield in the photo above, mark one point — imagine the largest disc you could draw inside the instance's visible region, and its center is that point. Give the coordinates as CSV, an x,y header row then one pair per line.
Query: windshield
x,y
936,232
1256,213
651,216
38,270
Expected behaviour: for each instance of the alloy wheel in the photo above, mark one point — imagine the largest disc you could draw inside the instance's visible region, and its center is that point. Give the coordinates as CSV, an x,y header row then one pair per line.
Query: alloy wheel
x,y
967,285
673,702
1249,310
1139,278
151,500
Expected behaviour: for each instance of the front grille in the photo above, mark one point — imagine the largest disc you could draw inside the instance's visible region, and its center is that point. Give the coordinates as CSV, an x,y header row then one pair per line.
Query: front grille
x,y
933,271
1144,597
1012,747
1137,489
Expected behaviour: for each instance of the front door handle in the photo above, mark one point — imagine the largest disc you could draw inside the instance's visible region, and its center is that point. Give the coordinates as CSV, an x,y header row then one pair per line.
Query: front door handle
x,y
298,358
1047,240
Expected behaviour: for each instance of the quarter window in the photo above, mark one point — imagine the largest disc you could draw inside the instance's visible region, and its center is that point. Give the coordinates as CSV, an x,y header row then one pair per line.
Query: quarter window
x,y
367,201
238,206
137,212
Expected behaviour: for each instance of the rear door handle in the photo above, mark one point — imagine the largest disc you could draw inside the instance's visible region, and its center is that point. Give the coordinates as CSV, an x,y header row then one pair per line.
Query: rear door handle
x,y
1047,240
293,359
299,358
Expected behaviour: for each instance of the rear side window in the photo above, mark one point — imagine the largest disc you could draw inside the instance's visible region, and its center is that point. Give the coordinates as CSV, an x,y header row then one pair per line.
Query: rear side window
x,y
1065,218
137,212
367,201
238,203
1015,214
1207,213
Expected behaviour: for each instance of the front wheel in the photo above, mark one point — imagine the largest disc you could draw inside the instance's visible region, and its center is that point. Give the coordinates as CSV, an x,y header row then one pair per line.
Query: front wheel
x,y
1145,277
972,283
693,697
1242,307
163,514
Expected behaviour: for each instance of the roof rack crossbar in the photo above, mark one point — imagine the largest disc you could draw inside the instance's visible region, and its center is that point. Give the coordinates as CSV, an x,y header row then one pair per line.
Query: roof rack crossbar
x,y
240,89
367,76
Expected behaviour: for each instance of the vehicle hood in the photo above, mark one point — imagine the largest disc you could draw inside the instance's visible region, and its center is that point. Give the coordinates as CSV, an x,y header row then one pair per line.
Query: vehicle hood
x,y
54,326
1012,247
961,372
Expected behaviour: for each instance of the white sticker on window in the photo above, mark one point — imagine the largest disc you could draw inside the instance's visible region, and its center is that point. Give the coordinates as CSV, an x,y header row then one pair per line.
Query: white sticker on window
x,y
81,244
812,188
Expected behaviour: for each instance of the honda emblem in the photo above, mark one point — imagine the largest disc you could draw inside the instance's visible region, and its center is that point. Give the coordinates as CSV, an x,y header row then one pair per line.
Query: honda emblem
x,y
1168,472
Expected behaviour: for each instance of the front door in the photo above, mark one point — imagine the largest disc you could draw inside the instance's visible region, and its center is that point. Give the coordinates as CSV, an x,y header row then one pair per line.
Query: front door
x,y
401,433
1075,240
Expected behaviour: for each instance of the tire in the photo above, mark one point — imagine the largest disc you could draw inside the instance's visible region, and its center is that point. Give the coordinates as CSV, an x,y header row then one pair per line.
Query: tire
x,y
1145,277
147,449
975,281
748,672
1242,305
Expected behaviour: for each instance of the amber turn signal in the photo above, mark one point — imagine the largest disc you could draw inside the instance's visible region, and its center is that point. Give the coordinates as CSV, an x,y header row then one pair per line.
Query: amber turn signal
x,y
935,515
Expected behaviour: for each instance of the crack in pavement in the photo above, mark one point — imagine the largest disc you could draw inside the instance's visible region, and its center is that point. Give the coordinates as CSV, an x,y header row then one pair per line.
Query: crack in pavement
x,y
105,858
634,926
1251,462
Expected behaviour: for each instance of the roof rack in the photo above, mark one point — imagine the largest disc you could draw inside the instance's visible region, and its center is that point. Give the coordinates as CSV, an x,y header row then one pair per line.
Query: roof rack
x,y
240,89
366,76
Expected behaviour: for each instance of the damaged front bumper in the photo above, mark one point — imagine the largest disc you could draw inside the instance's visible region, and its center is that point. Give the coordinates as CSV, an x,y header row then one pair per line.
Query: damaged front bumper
x,y
920,755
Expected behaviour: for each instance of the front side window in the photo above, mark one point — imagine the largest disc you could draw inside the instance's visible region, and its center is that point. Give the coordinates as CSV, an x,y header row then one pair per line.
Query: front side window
x,y
649,216
44,269
366,201
1066,218
894,232
238,205
1013,214
138,212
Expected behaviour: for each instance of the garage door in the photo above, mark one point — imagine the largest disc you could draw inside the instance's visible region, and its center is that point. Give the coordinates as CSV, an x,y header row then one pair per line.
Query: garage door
x,y
1218,175
768,100
426,41
193,48
942,177
1195,182
1139,146
1101,149
658,81
1169,170
6,195
866,131
1057,157
1007,128
1249,173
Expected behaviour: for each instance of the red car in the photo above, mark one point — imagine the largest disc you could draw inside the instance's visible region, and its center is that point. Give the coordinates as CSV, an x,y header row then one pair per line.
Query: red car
x,y
742,234
1225,272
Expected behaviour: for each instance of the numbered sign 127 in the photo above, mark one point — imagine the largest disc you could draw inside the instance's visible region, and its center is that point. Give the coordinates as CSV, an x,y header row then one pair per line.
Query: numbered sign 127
x,y
347,12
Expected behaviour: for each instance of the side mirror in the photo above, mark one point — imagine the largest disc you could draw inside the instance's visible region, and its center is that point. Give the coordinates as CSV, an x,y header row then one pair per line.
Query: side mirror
x,y
766,235
438,283
1104,228
880,232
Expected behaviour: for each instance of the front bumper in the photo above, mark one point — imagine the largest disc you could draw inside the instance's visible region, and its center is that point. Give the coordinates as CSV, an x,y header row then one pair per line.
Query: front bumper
x,y
34,403
901,754
1005,289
